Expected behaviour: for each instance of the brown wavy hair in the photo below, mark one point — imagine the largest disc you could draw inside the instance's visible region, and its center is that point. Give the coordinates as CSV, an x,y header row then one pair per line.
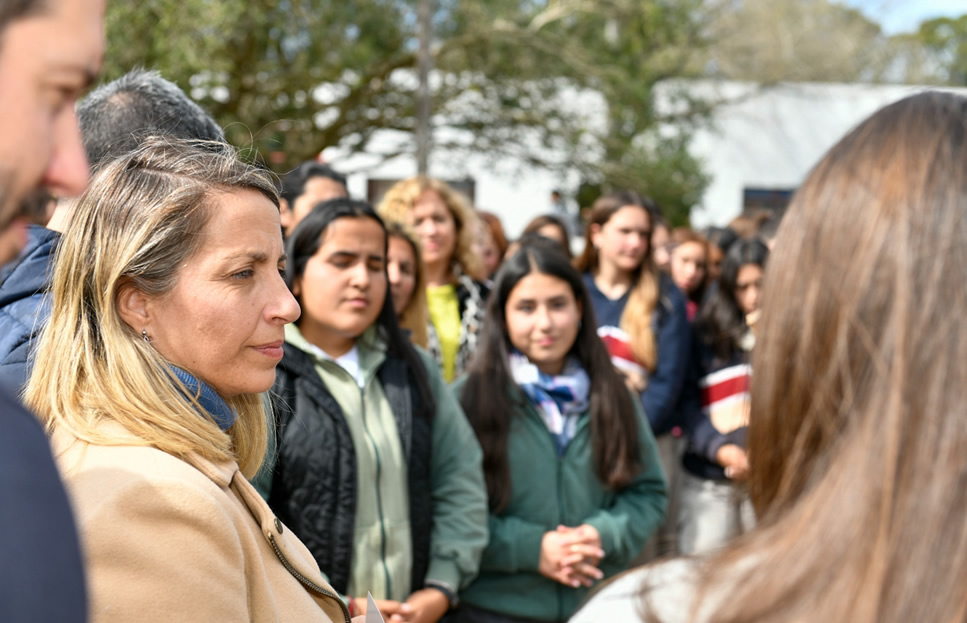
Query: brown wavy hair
x,y
857,440
397,204
645,293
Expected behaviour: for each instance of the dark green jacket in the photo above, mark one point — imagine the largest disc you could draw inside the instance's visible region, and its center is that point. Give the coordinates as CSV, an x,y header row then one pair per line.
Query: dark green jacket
x,y
546,491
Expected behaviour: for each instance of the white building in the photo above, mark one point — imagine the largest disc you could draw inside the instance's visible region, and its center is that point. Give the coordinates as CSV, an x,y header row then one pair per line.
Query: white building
x,y
759,146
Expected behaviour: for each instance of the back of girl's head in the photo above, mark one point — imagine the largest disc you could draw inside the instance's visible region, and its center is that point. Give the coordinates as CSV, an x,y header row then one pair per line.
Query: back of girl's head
x,y
141,219
857,442
877,241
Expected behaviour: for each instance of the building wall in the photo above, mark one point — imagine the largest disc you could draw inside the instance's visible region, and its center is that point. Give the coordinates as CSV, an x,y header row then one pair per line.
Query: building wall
x,y
759,138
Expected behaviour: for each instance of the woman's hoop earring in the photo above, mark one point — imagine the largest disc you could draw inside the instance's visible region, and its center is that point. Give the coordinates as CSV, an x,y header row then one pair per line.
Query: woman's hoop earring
x,y
144,336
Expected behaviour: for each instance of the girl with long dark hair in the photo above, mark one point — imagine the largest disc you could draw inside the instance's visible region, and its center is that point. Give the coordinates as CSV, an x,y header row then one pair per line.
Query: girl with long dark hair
x,y
377,468
573,478
714,508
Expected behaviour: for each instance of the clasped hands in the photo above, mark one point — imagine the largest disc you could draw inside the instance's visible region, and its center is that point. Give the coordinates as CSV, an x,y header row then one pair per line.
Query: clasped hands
x,y
571,555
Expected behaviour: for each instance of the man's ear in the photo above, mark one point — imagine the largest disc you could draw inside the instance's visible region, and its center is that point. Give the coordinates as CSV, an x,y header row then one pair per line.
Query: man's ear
x,y
134,308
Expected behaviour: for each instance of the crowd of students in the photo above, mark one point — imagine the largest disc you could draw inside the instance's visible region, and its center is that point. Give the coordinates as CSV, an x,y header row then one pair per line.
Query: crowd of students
x,y
267,404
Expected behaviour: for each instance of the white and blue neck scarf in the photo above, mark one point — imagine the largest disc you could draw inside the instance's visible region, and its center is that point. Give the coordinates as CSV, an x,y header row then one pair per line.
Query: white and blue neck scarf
x,y
209,400
560,399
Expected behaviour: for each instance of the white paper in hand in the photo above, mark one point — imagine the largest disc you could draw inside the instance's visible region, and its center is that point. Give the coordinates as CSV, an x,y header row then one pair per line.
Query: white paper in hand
x,y
372,612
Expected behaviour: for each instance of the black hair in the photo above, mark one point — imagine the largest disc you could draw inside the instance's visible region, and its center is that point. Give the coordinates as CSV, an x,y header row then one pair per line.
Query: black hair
x,y
720,323
722,237
305,242
294,182
115,118
490,392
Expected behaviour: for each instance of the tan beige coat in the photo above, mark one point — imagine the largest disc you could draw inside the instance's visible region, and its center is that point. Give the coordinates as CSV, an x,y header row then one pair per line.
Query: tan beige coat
x,y
173,540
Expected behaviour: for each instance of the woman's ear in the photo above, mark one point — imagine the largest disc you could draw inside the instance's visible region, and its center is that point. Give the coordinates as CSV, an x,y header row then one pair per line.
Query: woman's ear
x,y
297,287
133,307
594,230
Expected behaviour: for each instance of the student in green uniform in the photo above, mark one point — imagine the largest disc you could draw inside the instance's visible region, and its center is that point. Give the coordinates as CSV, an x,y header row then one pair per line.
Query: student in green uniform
x,y
573,478
377,469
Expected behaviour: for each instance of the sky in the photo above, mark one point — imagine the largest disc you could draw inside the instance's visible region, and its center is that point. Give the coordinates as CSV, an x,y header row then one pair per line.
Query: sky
x,y
905,15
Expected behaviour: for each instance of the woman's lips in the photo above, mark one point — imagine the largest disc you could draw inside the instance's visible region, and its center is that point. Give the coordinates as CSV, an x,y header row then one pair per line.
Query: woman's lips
x,y
272,350
358,302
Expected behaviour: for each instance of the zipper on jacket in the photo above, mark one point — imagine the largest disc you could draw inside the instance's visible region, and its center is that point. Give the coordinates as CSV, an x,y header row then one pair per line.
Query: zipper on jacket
x,y
379,494
560,521
306,581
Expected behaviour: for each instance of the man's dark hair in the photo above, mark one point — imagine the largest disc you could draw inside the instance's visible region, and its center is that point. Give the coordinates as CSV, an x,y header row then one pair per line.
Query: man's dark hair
x,y
11,10
294,182
115,117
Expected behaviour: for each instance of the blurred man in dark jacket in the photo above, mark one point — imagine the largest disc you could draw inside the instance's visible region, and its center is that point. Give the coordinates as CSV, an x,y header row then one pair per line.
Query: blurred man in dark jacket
x,y
50,52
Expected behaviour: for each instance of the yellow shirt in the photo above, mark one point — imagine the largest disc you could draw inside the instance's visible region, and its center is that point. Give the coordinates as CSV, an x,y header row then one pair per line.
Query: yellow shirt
x,y
444,311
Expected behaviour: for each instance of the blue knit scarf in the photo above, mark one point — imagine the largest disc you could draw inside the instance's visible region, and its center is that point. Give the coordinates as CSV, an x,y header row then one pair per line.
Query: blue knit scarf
x,y
560,399
209,400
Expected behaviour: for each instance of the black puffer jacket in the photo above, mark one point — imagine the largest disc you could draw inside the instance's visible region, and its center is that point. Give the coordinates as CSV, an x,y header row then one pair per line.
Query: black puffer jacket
x,y
314,483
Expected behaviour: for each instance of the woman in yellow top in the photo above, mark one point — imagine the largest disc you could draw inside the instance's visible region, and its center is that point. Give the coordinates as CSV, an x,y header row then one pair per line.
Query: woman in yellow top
x,y
456,298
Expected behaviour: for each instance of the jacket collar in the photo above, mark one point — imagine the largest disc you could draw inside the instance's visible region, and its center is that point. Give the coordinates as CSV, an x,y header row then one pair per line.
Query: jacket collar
x,y
370,345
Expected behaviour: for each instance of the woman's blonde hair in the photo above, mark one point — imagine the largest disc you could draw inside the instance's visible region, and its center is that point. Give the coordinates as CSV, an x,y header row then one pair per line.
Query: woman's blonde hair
x,y
397,205
857,439
141,219
414,317
636,319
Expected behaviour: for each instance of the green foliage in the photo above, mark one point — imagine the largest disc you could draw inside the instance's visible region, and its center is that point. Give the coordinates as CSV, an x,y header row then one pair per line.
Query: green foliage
x,y
292,77
945,39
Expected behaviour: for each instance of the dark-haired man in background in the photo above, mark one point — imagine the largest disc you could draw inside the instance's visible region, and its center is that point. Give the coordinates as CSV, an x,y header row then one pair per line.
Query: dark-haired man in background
x,y
304,187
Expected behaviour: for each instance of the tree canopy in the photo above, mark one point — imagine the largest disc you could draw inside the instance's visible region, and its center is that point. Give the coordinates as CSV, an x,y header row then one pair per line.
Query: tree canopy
x,y
564,84
293,77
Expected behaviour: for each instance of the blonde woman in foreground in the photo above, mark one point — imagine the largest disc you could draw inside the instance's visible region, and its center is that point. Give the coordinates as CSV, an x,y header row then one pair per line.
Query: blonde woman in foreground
x,y
857,442
167,322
